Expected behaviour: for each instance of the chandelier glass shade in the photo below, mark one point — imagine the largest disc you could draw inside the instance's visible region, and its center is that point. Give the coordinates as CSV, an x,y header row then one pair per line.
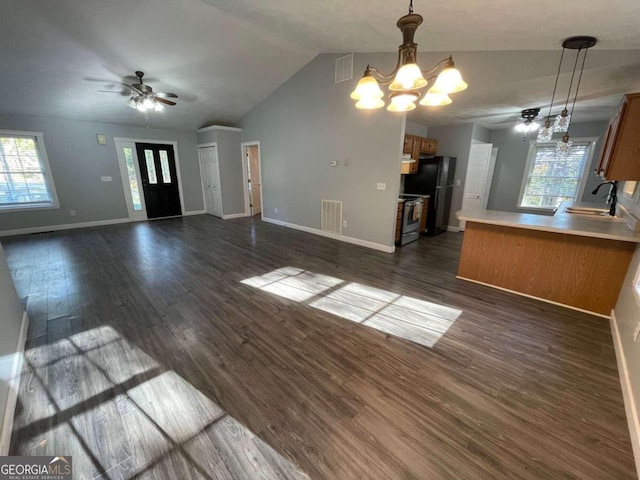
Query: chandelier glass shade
x,y
408,79
545,134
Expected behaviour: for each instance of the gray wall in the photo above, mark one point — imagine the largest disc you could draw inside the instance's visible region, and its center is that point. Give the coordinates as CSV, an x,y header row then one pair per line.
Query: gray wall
x,y
627,312
455,141
230,166
512,159
77,163
10,320
231,177
309,121
413,128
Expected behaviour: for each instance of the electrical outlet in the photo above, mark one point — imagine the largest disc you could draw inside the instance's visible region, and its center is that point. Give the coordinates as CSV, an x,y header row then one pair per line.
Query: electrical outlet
x,y
344,224
72,213
636,332
333,163
381,186
276,209
458,182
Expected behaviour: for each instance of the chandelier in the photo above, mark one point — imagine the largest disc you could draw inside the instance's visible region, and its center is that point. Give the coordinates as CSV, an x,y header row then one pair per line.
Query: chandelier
x,y
407,79
562,121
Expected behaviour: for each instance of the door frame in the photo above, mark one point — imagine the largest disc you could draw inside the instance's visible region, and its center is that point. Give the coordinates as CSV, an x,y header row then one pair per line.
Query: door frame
x,y
245,177
125,177
204,198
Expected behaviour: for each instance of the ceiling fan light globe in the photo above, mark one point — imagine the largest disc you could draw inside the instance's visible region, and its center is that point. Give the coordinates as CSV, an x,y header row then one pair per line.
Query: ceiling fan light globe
x,y
158,107
141,108
367,88
449,81
148,103
409,77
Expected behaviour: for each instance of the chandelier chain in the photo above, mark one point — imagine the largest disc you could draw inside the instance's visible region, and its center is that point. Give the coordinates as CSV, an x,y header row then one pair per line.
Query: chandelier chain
x,y
410,6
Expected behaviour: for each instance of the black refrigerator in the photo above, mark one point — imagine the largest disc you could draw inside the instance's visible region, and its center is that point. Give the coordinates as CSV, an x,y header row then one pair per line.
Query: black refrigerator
x,y
435,178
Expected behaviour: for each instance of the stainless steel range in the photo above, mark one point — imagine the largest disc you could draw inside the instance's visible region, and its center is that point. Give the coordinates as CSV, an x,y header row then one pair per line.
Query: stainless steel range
x,y
411,214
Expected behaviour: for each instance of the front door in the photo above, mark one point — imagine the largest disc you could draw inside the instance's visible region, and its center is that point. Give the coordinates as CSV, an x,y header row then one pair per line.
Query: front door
x,y
159,180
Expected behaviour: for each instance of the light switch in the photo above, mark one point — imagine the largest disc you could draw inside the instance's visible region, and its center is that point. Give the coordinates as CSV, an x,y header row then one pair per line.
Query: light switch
x,y
381,186
106,179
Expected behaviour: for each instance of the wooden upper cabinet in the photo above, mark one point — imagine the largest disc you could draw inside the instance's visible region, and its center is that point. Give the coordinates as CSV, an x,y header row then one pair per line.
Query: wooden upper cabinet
x,y
408,144
620,155
428,146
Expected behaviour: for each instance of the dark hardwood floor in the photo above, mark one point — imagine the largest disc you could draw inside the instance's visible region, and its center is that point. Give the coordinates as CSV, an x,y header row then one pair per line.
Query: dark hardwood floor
x,y
148,358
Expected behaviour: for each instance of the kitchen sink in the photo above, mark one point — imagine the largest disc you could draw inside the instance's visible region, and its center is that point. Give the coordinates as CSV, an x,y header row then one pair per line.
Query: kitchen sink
x,y
592,212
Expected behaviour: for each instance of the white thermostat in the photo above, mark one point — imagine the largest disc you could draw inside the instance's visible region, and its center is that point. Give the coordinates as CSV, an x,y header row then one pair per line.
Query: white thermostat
x,y
102,139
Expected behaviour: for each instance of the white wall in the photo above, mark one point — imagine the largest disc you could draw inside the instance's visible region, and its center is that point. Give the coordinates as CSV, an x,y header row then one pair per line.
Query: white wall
x,y
308,122
627,314
11,313
77,163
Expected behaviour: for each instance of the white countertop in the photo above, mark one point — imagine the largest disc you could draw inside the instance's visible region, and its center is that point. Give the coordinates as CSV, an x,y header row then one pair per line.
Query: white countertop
x,y
613,229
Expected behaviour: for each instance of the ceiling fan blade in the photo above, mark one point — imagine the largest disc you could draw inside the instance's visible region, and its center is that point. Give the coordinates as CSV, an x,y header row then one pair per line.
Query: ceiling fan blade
x,y
110,91
166,95
166,102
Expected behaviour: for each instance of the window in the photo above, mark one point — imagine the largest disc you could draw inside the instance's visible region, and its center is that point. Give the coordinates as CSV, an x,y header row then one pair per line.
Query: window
x,y
551,179
133,179
164,163
25,177
151,166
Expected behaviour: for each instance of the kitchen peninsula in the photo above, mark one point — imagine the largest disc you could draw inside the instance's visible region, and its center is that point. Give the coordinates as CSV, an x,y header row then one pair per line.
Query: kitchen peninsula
x,y
572,260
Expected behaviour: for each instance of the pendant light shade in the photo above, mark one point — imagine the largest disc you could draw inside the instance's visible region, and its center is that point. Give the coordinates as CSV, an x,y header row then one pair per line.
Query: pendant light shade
x,y
403,102
368,93
435,99
563,147
546,132
562,121
449,80
409,77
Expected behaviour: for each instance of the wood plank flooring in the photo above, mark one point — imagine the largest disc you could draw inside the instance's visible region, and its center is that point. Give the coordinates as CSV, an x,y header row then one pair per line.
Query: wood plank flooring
x,y
148,358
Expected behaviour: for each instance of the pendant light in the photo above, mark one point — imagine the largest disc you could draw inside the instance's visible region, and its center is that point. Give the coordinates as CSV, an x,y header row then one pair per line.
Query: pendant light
x,y
563,147
407,78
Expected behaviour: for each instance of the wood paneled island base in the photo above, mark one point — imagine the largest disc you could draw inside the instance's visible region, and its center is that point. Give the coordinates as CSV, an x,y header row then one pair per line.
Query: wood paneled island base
x,y
579,272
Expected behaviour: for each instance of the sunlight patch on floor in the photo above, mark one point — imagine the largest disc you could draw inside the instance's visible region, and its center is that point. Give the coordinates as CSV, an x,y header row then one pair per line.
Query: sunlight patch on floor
x,y
120,414
415,320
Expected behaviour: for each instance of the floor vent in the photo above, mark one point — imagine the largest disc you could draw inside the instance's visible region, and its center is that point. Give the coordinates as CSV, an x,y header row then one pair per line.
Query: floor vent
x,y
344,68
332,216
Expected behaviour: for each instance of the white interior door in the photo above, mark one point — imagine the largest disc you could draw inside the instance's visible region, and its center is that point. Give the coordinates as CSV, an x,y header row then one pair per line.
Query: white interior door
x,y
210,180
477,182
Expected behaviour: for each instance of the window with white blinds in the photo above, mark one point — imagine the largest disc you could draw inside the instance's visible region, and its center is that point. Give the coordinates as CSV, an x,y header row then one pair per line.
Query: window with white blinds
x,y
551,179
25,179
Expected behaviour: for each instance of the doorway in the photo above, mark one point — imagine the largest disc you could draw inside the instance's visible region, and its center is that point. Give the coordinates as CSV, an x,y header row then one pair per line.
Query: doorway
x,y
251,155
159,180
210,179
477,184
144,198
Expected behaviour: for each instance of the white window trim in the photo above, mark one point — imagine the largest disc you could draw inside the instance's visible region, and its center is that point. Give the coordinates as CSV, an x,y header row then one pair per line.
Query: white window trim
x,y
48,174
583,176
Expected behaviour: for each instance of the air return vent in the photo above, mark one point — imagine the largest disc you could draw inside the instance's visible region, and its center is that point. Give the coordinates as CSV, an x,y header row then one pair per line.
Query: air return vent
x,y
332,216
344,68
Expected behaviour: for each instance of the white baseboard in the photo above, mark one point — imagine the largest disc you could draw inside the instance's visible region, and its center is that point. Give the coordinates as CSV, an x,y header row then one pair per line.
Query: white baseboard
x,y
454,229
14,387
234,215
67,226
342,238
98,223
546,300
627,392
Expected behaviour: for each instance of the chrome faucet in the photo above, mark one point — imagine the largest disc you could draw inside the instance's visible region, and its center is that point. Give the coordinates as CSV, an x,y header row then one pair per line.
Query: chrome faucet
x,y
612,196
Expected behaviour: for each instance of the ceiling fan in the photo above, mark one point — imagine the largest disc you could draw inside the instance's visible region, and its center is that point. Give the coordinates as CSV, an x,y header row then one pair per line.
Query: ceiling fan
x,y
144,99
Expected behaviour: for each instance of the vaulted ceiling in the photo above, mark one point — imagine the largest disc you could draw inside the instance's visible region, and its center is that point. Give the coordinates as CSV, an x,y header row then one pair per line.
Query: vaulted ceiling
x,y
223,57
